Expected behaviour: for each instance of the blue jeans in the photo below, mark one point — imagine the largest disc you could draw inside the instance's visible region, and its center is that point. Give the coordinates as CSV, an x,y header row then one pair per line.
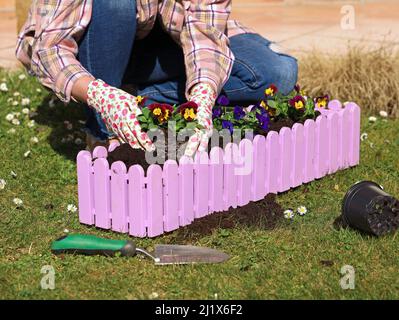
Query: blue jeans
x,y
155,65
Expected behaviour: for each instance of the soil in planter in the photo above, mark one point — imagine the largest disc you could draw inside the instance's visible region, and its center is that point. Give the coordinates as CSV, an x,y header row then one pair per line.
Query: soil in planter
x,y
130,156
265,214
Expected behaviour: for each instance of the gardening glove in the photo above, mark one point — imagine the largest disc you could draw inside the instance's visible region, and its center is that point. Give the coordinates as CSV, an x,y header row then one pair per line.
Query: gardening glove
x,y
204,96
119,111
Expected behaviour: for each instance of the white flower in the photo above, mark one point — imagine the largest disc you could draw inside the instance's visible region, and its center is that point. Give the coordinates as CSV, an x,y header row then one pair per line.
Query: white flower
x,y
13,174
68,125
22,77
364,136
51,103
18,202
25,101
11,131
17,114
34,140
2,184
27,153
78,141
153,295
66,231
38,90
72,208
302,210
3,87
9,117
31,123
289,214
9,100
15,122
69,138
16,94
25,110
372,119
383,114
14,103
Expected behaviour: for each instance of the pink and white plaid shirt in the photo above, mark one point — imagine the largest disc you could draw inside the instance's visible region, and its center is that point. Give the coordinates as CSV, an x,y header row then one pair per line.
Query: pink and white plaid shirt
x,y
48,42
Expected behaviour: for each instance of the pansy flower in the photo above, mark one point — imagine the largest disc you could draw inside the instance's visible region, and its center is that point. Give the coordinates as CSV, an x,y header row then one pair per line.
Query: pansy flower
x,y
189,110
299,91
161,111
264,120
223,100
271,90
227,125
271,111
239,113
322,101
297,102
216,112
141,100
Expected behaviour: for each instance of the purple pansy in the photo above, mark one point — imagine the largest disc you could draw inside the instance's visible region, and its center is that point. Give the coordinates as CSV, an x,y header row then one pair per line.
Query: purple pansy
x,y
227,125
239,113
264,120
223,100
216,112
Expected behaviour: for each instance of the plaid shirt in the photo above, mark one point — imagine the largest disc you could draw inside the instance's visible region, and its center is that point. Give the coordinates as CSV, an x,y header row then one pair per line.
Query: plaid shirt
x,y
48,42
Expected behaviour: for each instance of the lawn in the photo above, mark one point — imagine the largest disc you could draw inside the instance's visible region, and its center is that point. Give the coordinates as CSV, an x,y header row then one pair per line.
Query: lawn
x,y
297,259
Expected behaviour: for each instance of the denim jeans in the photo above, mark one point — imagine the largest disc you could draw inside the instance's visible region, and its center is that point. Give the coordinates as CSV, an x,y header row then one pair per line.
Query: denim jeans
x,y
155,65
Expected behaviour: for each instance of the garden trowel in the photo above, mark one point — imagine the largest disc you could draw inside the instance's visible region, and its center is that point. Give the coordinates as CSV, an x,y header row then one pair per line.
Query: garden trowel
x,y
162,255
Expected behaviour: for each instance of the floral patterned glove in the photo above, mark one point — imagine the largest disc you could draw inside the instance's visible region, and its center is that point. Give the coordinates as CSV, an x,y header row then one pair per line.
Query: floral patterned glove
x,y
119,111
204,96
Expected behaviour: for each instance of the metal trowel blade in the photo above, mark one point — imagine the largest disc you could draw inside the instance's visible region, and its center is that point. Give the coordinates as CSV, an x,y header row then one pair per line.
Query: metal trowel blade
x,y
183,254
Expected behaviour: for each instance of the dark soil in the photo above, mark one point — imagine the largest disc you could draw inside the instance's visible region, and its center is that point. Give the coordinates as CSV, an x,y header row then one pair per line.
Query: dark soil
x,y
128,156
264,214
131,156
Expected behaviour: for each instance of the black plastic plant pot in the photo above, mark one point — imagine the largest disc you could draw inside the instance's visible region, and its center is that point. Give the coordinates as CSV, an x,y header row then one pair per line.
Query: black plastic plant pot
x,y
367,207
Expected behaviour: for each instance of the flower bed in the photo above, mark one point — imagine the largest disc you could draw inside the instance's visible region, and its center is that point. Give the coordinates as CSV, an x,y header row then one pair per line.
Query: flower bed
x,y
128,200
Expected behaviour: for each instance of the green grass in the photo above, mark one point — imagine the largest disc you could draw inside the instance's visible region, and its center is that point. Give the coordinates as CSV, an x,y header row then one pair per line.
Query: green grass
x,y
283,263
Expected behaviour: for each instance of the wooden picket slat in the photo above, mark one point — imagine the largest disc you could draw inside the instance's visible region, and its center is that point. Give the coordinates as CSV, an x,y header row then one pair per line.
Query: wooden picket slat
x,y
354,137
273,168
186,190
216,180
334,105
310,140
137,202
259,168
201,184
119,197
345,136
244,172
322,147
231,158
170,195
286,159
299,153
154,201
333,132
85,187
100,152
102,195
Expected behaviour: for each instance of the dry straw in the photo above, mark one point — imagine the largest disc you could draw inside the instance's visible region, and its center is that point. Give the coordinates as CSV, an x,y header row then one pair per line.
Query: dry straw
x,y
368,77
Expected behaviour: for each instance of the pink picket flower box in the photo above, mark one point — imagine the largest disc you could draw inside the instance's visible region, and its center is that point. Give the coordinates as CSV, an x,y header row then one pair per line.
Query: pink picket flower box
x,y
128,201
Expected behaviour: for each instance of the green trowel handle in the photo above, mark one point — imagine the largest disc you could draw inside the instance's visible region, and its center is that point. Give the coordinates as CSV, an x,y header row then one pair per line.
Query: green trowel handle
x,y
91,245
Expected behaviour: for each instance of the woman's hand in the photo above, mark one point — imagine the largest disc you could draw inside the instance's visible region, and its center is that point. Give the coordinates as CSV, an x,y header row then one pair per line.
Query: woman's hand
x,y
204,96
119,111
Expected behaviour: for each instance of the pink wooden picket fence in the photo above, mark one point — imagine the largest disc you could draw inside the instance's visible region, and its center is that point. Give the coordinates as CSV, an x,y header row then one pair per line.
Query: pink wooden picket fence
x,y
128,201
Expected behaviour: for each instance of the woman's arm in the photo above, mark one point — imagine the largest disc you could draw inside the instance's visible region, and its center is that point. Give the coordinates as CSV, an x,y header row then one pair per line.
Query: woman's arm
x,y
79,89
208,58
50,40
